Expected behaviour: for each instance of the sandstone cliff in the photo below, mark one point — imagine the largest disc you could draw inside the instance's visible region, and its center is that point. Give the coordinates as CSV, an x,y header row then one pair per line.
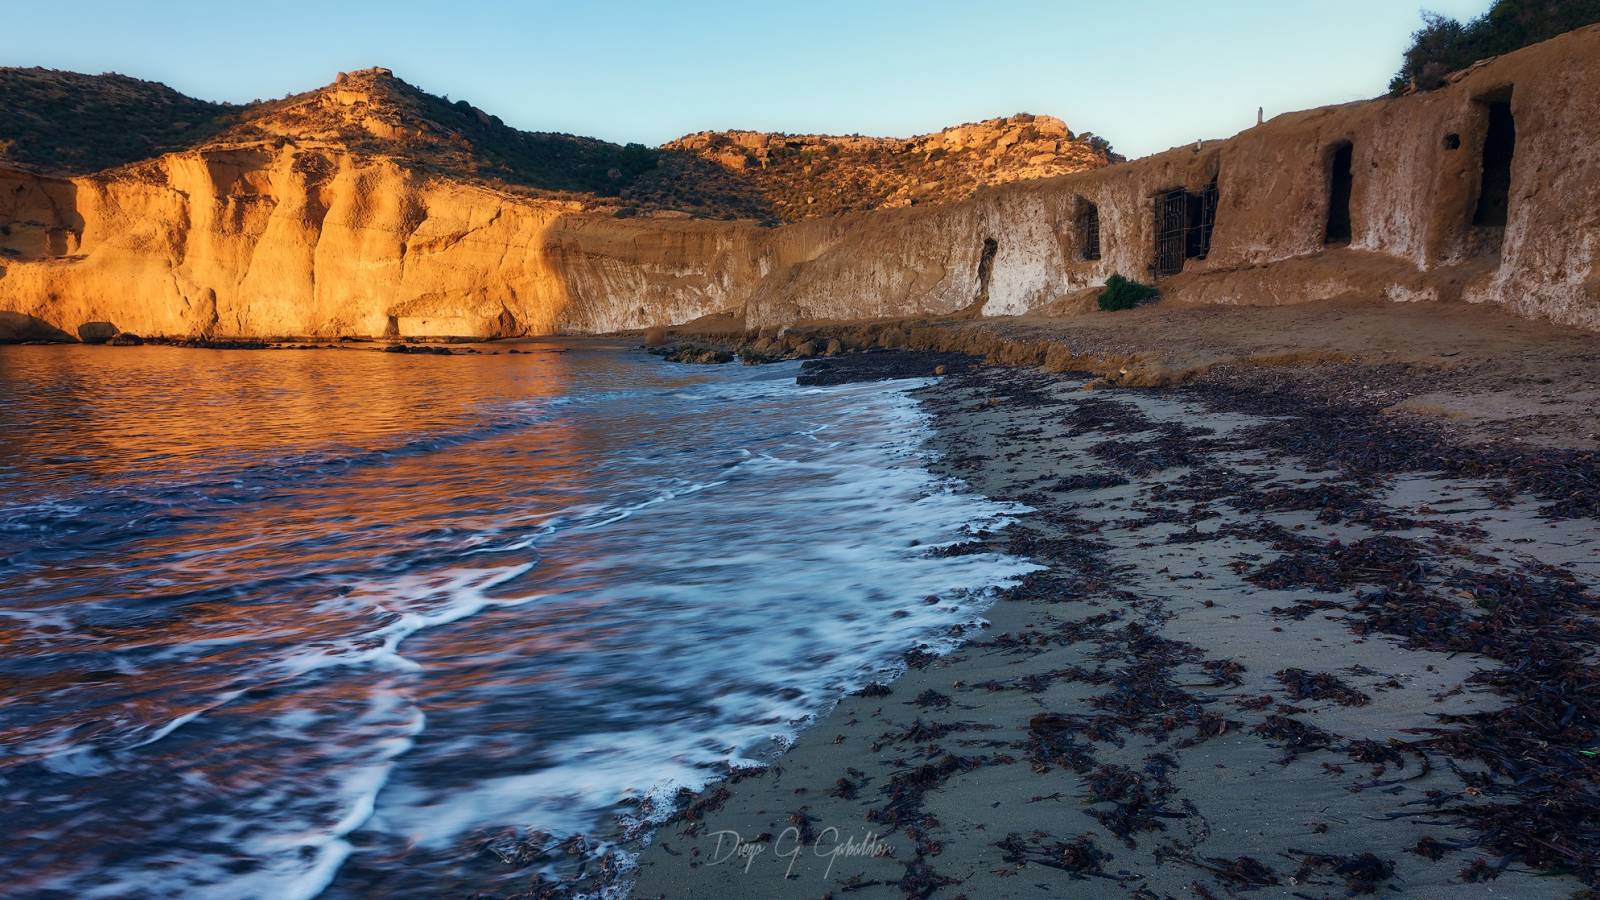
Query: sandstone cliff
x,y
370,207
1487,190
294,241
62,123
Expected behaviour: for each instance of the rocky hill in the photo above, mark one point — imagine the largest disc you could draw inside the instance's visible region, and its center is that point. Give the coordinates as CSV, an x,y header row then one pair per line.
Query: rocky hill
x,y
69,124
65,123
801,176
372,113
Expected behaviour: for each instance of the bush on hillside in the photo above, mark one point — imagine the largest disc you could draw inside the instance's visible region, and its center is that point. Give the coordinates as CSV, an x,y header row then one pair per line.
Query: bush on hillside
x,y
1443,45
69,124
1120,293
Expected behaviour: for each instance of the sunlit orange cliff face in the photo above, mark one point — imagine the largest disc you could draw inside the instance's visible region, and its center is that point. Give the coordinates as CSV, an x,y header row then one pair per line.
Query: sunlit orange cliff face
x,y
371,208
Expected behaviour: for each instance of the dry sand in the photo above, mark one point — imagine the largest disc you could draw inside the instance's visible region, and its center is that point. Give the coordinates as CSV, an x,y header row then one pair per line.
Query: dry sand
x,y
1263,591
1480,370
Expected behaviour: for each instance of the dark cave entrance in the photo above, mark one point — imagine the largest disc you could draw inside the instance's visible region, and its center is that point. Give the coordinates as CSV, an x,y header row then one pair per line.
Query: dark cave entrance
x,y
1340,184
1088,229
1184,224
986,265
1499,145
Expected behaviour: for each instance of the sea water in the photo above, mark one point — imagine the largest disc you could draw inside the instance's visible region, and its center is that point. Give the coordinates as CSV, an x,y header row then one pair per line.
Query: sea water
x,y
348,623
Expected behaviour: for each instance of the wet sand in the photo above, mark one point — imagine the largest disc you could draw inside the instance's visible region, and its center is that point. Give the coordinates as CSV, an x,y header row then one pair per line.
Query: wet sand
x,y
1284,643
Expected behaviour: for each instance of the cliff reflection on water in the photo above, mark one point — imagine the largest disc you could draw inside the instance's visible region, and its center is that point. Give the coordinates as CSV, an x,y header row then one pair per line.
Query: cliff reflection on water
x,y
286,623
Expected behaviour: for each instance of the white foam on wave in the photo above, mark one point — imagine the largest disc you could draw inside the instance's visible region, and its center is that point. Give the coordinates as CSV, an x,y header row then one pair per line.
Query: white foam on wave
x,y
292,865
853,506
876,512
411,603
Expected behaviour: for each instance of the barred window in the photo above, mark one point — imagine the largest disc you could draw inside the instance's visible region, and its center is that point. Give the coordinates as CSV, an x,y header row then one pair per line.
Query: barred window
x,y
1089,231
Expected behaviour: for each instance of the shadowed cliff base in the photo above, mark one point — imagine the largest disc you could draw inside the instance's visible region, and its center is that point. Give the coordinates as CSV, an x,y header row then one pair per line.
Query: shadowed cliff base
x,y
18,327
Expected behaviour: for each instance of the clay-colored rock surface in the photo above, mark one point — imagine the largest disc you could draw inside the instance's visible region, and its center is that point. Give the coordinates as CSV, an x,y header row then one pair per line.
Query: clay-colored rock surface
x,y
319,242
325,216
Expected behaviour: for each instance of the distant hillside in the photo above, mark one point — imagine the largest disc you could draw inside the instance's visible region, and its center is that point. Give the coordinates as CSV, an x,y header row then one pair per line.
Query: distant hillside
x,y
800,176
69,124
371,111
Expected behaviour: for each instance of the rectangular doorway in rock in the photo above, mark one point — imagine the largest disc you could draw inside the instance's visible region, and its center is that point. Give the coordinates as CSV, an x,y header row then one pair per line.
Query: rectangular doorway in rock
x,y
1499,145
1184,224
1340,184
1088,229
1202,220
986,266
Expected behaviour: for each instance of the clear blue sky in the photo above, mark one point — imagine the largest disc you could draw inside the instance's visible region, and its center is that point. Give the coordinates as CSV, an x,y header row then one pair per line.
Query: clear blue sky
x,y
1147,75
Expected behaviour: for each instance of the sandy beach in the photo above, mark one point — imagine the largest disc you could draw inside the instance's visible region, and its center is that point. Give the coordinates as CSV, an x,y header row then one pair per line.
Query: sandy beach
x,y
1284,641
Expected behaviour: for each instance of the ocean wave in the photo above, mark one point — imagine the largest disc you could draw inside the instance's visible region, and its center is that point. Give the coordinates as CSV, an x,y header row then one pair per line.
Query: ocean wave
x,y
595,601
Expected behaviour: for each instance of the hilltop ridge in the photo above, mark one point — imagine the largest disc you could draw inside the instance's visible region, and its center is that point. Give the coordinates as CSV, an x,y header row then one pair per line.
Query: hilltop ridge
x,y
808,175
67,123
64,123
373,112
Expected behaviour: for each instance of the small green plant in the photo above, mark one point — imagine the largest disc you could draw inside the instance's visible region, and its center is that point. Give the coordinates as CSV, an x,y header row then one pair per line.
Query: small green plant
x,y
1443,45
1120,293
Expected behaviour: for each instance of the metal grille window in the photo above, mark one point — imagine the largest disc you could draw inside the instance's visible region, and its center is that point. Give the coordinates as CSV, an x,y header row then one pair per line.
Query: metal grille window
x,y
1172,231
1184,223
1089,231
1208,218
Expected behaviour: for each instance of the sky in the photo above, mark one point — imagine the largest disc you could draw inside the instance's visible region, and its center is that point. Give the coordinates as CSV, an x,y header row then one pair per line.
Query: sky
x,y
1146,74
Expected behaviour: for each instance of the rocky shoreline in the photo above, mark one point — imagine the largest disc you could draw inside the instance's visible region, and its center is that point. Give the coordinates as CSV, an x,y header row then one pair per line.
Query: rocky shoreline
x,y
1285,642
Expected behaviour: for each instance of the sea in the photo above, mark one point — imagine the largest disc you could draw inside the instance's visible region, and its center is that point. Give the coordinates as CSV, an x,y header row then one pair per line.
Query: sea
x,y
341,623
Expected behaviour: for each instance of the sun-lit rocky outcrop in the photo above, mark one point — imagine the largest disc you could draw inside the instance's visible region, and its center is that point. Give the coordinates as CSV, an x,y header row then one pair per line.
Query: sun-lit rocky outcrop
x,y
368,208
807,176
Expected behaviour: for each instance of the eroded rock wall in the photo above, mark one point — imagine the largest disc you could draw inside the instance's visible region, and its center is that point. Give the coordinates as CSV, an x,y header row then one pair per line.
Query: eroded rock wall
x,y
1416,167
309,240
315,242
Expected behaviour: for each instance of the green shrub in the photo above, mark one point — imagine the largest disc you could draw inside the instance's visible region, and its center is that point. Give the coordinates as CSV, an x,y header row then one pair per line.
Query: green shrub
x,y
1120,293
1443,45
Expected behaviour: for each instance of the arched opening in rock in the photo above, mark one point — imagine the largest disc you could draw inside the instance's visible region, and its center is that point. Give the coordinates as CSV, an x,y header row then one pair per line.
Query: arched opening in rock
x,y
1088,229
1340,184
986,265
1499,145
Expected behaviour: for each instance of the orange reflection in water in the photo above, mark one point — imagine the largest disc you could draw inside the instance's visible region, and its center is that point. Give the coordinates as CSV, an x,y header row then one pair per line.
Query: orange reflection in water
x,y
187,532
224,476
248,598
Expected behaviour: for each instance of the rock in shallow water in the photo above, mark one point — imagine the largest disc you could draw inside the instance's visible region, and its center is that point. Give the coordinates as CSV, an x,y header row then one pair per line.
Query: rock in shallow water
x,y
884,365
692,354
